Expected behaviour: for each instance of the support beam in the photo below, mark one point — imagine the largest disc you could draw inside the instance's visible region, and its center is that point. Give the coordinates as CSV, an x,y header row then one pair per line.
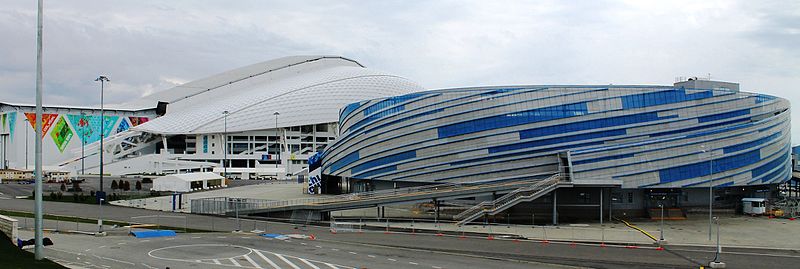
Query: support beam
x,y
555,204
601,206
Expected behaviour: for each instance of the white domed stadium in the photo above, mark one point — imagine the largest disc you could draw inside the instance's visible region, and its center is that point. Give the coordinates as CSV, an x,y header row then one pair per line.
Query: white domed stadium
x,y
274,115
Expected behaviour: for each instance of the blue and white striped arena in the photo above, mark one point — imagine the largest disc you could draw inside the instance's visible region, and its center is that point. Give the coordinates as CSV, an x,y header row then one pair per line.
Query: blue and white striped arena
x,y
677,136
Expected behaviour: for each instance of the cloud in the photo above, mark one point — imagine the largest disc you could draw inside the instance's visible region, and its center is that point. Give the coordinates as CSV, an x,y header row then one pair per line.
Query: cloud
x,y
147,46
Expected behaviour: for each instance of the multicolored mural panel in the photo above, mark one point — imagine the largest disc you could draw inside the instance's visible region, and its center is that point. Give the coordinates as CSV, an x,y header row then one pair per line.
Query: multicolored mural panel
x,y
47,121
135,121
61,134
88,126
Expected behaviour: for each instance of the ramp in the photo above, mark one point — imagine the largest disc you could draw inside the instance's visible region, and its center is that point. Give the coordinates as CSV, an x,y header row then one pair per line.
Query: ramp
x,y
524,194
361,200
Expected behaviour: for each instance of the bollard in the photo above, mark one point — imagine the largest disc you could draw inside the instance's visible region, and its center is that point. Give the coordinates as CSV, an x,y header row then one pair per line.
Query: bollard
x,y
387,227
544,231
602,237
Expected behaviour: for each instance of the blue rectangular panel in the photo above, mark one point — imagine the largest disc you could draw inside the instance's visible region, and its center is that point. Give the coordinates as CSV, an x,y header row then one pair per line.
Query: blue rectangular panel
x,y
723,116
661,98
344,161
703,168
513,119
383,161
372,173
751,144
592,124
557,140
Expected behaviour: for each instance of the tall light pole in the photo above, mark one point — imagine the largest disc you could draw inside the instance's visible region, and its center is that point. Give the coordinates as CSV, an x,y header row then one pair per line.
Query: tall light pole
x,y
26,143
100,217
225,144
83,143
103,80
38,234
661,205
278,143
716,263
710,188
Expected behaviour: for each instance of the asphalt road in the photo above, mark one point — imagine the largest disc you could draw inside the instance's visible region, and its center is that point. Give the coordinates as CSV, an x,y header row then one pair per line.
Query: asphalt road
x,y
448,251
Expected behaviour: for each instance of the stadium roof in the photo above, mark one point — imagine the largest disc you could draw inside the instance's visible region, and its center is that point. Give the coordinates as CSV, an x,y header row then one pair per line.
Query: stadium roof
x,y
303,89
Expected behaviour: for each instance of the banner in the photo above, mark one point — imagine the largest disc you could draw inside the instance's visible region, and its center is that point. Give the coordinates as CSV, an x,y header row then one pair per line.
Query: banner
x,y
61,134
47,121
12,121
88,126
315,173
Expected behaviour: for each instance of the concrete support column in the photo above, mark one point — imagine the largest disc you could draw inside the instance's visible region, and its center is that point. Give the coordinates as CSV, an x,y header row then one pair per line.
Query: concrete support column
x,y
555,204
601,206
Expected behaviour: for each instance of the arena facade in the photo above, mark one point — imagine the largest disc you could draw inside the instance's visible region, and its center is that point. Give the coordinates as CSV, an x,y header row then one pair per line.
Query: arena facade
x,y
638,145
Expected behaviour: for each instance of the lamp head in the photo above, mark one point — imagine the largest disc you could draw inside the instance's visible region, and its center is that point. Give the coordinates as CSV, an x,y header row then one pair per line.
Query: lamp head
x,y
102,78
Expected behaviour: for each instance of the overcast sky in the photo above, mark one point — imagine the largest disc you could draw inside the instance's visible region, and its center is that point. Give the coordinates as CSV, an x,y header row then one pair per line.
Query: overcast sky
x,y
148,46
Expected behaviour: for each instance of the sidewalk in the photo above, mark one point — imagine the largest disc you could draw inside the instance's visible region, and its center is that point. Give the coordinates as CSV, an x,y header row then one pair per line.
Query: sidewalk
x,y
735,231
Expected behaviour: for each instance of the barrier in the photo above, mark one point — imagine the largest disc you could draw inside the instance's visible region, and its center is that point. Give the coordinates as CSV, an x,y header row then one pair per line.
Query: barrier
x,y
9,227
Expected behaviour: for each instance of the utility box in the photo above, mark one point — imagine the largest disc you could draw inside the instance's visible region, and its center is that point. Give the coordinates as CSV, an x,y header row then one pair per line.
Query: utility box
x,y
754,206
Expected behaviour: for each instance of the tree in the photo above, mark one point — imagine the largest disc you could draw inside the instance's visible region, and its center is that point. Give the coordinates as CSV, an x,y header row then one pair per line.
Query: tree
x,y
63,187
126,186
138,185
114,185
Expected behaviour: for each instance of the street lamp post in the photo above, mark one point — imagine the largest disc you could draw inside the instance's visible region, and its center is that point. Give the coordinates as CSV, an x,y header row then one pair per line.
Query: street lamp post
x,y
103,80
100,217
710,188
26,145
661,205
37,162
225,144
278,143
716,263
83,143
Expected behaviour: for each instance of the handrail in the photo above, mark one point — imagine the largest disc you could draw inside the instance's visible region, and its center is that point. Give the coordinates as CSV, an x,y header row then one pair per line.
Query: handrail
x,y
255,204
489,206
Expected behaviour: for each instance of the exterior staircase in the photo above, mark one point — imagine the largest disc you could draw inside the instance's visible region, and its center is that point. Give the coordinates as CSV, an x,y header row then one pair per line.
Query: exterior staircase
x,y
524,194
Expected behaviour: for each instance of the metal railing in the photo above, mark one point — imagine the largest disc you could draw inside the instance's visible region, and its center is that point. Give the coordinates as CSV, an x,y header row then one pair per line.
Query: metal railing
x,y
509,199
223,205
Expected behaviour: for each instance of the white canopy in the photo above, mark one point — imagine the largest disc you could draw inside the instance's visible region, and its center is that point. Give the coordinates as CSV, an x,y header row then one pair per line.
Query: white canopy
x,y
188,182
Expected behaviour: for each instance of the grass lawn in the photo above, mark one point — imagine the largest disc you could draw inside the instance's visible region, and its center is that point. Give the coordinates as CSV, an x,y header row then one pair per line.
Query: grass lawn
x,y
12,257
87,220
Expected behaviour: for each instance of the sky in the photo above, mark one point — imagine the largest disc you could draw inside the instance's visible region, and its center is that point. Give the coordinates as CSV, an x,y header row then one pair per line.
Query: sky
x,y
149,46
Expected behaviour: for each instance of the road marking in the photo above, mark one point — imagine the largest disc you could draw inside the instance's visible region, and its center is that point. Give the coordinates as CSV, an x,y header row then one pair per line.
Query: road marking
x,y
392,259
436,267
371,256
101,246
267,260
216,261
309,263
222,237
121,243
115,260
352,253
196,237
335,249
286,261
146,240
413,263
318,246
198,261
331,265
148,266
246,257
303,243
234,262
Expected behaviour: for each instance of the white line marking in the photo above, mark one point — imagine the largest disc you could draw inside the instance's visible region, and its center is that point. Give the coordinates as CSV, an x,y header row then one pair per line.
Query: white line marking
x,y
267,260
286,261
216,261
335,249
101,246
115,260
436,267
392,259
196,237
331,265
199,261
246,257
309,263
148,266
234,262
352,253
146,240
303,244
318,246
413,263
371,256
